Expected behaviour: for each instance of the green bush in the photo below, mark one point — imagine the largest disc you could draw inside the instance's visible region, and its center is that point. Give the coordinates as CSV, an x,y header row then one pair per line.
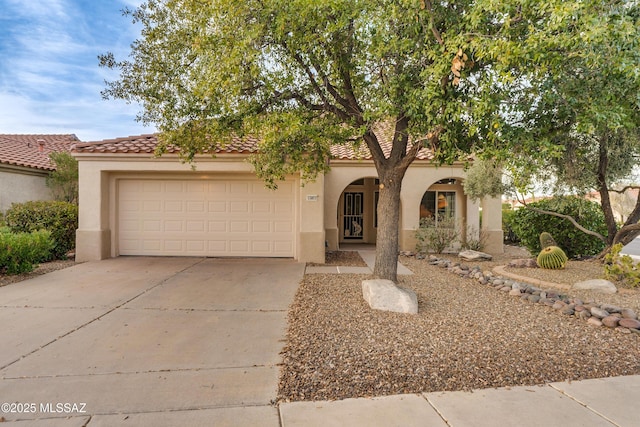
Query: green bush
x,y
432,238
621,268
60,218
20,252
528,224
507,219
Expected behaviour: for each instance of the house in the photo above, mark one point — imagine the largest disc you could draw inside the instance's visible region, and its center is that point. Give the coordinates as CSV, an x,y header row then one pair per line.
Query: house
x,y
133,203
25,166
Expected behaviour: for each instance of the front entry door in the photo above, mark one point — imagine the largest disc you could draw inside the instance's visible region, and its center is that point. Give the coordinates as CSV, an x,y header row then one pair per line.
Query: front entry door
x,y
353,221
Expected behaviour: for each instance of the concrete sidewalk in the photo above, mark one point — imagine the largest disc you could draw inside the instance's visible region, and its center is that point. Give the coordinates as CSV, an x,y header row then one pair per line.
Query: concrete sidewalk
x,y
599,402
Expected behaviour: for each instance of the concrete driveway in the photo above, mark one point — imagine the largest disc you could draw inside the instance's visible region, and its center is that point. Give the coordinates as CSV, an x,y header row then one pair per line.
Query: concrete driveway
x,y
140,341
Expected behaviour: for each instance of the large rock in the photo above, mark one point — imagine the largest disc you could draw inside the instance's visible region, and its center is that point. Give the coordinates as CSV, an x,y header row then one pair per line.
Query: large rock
x,y
598,285
470,255
385,295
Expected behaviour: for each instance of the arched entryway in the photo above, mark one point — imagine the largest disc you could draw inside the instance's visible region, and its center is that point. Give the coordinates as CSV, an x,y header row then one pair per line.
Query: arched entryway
x,y
357,211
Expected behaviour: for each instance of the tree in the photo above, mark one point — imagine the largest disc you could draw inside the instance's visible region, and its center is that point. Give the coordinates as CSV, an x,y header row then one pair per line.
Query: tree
x,y
63,181
301,75
585,113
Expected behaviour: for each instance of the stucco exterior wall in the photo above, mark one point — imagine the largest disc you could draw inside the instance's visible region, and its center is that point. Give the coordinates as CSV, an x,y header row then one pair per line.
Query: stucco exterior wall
x,y
420,177
316,204
96,236
21,185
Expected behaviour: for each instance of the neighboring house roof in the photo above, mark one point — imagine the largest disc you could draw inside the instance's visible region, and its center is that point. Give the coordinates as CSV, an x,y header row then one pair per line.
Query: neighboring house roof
x,y
147,144
33,151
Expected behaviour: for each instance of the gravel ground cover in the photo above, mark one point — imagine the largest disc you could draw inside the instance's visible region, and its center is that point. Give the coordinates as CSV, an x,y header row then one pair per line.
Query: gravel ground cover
x,y
465,336
46,267
342,258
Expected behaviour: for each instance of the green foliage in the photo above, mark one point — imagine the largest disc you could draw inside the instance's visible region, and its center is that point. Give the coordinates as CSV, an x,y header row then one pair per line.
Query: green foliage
x,y
621,268
484,178
546,240
20,252
63,182
60,218
301,75
528,224
552,258
438,237
508,216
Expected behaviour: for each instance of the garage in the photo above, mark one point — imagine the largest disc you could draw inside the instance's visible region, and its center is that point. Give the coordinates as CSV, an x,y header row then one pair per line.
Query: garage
x,y
220,216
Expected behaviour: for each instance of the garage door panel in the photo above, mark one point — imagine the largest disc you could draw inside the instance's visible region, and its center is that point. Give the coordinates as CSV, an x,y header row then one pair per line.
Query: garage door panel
x,y
261,226
205,218
173,206
217,206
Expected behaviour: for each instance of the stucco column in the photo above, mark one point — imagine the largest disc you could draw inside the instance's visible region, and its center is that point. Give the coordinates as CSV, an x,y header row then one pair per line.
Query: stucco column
x,y
473,219
311,243
93,237
492,225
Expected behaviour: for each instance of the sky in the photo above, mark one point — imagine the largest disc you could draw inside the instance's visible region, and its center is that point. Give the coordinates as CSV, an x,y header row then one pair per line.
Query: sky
x,y
50,80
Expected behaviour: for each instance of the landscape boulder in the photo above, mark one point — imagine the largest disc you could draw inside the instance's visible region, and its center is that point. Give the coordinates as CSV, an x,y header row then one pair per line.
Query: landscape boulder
x,y
470,255
384,295
598,285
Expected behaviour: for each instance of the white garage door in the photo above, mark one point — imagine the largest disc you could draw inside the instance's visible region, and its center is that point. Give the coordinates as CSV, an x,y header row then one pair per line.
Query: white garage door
x,y
230,217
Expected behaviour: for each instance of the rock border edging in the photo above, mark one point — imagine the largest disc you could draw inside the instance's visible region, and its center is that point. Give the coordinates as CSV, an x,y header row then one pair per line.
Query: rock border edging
x,y
593,313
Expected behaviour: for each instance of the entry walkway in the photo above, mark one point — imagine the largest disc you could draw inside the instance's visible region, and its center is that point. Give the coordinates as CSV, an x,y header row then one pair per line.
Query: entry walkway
x,y
367,255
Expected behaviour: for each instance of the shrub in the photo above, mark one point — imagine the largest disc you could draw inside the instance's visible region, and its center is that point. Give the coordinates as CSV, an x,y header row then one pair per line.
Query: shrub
x,y
507,219
60,218
528,225
63,181
621,269
20,252
475,243
432,238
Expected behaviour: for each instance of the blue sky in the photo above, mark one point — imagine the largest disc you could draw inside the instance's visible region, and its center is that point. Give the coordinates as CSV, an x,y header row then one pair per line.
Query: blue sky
x,y
50,81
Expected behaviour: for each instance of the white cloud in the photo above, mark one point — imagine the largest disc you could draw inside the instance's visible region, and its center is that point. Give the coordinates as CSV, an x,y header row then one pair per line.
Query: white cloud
x,y
50,81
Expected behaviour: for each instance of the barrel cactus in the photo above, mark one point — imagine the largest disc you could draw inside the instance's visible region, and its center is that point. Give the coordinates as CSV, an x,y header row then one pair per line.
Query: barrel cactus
x,y
552,257
546,240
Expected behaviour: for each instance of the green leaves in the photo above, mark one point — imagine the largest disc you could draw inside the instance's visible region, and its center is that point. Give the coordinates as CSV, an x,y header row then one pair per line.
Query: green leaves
x,y
491,77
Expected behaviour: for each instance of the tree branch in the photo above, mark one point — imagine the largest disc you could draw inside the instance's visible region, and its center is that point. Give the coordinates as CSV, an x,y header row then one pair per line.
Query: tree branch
x,y
567,217
327,105
434,30
624,189
627,233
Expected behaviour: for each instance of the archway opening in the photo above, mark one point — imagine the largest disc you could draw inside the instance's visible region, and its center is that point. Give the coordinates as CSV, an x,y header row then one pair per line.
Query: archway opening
x,y
357,212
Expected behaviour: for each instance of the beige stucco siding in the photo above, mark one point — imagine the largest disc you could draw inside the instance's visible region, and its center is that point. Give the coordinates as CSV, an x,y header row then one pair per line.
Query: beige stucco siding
x,y
97,236
20,184
420,177
316,203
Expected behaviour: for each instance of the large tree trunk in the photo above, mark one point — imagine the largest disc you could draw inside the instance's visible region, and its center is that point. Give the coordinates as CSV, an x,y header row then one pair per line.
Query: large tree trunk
x,y
386,266
603,189
391,171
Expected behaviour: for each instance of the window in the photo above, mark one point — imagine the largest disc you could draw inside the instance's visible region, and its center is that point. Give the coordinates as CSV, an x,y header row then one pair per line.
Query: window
x,y
438,205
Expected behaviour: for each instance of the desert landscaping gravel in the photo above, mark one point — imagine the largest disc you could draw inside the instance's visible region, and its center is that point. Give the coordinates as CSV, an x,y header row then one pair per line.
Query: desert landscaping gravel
x,y
465,336
44,268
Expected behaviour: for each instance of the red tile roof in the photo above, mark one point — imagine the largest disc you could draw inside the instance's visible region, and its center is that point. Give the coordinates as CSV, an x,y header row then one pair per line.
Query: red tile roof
x,y
33,150
147,144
